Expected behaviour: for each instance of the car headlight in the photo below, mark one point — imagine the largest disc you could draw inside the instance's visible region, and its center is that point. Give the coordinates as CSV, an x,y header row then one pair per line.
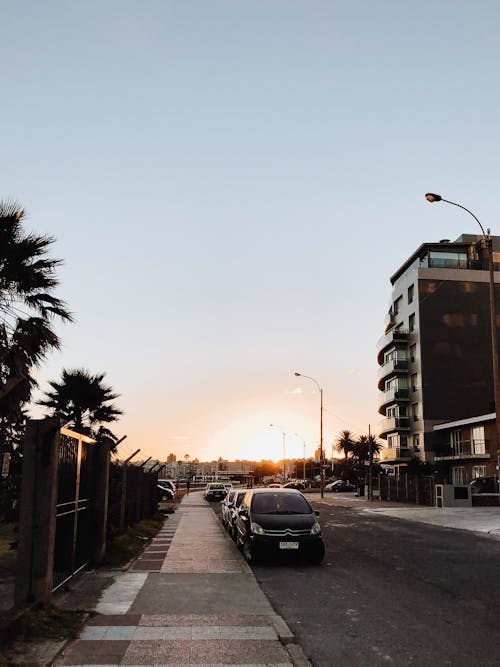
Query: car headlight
x,y
257,528
316,529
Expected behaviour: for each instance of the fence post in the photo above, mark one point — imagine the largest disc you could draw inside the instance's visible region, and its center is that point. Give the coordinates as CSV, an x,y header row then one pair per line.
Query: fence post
x,y
123,499
101,499
37,518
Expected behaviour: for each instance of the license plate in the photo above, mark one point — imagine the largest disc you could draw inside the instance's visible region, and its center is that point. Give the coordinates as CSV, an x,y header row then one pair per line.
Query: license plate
x,y
289,545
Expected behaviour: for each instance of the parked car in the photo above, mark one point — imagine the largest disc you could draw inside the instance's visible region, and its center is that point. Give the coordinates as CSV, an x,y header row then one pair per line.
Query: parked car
x,y
484,485
165,492
295,485
215,491
272,522
233,512
169,483
340,485
226,506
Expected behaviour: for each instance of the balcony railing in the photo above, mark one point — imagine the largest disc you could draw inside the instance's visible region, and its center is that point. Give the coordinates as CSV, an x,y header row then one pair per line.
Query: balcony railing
x,y
392,366
467,449
393,395
391,454
391,337
394,424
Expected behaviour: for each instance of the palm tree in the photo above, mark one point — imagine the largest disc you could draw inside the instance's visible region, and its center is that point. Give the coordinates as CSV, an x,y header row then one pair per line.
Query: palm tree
x,y
83,402
27,310
362,446
345,443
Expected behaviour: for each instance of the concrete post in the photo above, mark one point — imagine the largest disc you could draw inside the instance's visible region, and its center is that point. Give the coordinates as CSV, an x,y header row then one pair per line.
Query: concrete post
x,y
37,519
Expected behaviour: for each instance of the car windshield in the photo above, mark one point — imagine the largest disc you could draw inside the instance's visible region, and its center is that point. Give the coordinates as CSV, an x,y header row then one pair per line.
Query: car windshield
x,y
217,487
280,503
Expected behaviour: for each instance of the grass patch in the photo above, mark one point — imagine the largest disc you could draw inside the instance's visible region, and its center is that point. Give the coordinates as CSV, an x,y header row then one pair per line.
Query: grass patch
x,y
46,623
21,636
131,544
8,535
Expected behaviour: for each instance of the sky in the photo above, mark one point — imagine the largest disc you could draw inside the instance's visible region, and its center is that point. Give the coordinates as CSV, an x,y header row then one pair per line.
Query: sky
x,y
231,185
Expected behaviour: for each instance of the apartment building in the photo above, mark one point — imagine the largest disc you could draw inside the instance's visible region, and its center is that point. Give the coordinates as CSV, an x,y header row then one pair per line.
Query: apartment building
x,y
435,369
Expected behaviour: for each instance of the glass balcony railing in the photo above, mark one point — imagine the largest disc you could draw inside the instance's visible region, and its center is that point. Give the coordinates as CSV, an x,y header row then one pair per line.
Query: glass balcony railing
x,y
466,449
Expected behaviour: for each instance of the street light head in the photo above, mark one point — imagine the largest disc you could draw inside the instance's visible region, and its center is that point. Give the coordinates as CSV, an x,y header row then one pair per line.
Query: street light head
x,y
432,197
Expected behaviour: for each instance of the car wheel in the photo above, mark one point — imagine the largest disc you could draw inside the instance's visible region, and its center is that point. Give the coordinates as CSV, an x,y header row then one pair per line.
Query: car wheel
x,y
317,555
249,553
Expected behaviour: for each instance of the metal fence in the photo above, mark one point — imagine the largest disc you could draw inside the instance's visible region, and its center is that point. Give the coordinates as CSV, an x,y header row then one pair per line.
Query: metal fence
x,y
132,496
406,488
74,536
72,502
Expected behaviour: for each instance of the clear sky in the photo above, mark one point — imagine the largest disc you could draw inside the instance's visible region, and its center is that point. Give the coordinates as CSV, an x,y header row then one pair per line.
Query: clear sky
x,y
231,184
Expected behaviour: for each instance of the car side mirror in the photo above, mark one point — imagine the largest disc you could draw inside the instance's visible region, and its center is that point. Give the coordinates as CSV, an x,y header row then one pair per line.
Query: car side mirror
x,y
316,512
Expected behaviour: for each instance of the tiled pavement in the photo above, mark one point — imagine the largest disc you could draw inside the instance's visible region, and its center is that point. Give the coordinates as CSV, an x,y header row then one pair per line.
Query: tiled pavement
x,y
189,600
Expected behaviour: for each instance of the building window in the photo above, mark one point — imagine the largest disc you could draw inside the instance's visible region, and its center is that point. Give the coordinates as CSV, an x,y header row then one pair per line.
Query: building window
x,y
414,380
458,476
413,352
456,441
447,260
478,471
416,440
477,442
392,441
410,293
397,305
411,322
414,411
392,411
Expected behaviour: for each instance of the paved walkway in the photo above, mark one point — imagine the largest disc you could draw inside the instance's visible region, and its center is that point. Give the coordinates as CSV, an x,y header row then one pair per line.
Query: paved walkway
x,y
190,599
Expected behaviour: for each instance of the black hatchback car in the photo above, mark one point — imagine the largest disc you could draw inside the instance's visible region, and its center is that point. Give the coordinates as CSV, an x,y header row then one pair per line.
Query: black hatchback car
x,y
276,522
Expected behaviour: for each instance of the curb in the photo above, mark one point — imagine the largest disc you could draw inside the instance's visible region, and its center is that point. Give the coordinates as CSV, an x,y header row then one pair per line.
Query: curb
x,y
297,656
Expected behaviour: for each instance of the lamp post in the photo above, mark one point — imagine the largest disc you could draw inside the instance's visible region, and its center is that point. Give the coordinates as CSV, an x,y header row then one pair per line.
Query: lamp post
x,y
321,457
283,433
488,242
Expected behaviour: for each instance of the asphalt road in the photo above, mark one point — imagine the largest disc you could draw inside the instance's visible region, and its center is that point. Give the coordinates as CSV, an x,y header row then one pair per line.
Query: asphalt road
x,y
391,592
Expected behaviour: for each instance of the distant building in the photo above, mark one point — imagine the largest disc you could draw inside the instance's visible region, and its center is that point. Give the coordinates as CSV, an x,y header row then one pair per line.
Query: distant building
x,y
435,367
171,458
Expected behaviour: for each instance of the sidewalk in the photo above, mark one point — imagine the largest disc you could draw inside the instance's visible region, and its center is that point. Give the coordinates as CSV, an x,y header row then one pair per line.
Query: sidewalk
x,y
190,599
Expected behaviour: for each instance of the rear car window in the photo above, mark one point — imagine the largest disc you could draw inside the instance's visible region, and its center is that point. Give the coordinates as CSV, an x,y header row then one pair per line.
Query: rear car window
x,y
280,503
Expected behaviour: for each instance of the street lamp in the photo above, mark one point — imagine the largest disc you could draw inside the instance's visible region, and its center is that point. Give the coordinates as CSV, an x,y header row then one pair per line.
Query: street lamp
x,y
488,242
283,433
321,457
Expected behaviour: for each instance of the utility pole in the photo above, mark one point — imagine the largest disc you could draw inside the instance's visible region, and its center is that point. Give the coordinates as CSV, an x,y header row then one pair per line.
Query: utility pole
x,y
370,464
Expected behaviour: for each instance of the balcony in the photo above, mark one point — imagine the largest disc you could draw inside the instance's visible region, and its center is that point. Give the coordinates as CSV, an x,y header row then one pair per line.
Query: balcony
x,y
391,367
394,395
394,425
467,449
391,338
395,455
